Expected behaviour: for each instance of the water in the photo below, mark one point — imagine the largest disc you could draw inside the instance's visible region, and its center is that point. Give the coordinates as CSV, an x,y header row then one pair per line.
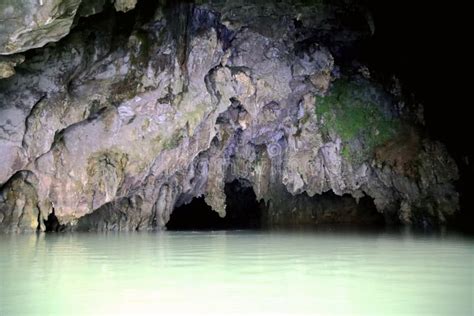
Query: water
x,y
244,273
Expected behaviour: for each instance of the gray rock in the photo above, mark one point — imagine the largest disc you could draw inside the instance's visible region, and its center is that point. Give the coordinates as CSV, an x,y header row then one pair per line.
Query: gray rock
x,y
30,24
33,23
117,130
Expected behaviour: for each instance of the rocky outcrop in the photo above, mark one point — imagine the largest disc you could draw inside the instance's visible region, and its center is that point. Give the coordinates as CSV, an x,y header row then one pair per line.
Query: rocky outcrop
x,y
31,24
34,23
8,63
119,123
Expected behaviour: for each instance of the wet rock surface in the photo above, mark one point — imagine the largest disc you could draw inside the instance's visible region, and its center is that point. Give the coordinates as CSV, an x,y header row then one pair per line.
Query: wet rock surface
x,y
131,115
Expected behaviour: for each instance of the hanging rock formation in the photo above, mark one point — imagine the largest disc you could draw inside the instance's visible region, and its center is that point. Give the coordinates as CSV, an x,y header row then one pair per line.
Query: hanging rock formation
x,y
132,114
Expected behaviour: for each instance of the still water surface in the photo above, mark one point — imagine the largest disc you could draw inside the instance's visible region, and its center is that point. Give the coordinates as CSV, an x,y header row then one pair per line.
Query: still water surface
x,y
232,272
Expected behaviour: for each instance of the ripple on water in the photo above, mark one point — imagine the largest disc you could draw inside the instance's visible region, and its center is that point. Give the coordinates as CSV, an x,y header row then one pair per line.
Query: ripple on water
x,y
236,272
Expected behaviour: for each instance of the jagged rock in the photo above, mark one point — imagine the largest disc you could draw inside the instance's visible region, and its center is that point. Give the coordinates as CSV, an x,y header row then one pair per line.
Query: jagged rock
x,y
119,128
30,24
8,63
19,211
125,5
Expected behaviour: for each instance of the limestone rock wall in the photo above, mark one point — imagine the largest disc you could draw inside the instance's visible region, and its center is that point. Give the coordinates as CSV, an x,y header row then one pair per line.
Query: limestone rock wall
x,y
118,123
30,24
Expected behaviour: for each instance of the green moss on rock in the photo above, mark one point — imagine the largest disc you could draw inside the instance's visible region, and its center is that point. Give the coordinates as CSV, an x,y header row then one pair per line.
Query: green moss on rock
x,y
351,111
174,141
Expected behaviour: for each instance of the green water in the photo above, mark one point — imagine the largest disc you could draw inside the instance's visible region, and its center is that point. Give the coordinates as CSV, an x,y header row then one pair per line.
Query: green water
x,y
244,273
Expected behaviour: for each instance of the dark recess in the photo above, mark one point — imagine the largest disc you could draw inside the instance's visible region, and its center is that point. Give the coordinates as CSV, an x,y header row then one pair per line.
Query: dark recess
x,y
422,43
243,212
52,223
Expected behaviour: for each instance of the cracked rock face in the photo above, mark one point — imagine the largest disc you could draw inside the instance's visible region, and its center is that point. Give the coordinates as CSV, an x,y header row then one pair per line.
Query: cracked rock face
x,y
28,24
33,23
119,123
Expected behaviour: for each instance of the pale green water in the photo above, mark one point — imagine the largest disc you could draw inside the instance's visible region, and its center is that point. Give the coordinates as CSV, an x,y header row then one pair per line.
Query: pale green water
x,y
245,273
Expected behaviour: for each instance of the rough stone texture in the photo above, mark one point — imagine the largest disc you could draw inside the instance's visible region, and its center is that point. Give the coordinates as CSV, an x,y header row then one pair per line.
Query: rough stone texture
x,y
116,129
125,5
27,24
18,203
8,63
33,23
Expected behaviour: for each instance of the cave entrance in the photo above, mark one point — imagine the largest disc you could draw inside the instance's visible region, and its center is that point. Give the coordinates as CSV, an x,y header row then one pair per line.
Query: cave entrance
x,y
196,215
304,211
242,211
333,209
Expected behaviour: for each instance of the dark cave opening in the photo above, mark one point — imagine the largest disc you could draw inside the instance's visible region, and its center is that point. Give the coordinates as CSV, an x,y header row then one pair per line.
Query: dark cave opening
x,y
328,208
196,215
52,223
334,209
242,211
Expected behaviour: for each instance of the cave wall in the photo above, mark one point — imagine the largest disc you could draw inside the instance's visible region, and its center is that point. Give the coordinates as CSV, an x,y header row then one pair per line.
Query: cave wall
x,y
132,114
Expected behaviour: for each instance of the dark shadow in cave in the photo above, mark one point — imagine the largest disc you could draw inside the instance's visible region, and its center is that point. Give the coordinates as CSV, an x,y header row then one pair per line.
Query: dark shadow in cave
x,y
196,215
303,211
242,212
243,209
333,209
52,223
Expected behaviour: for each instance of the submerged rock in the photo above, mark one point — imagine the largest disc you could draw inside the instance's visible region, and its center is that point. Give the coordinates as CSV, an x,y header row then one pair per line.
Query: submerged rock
x,y
119,123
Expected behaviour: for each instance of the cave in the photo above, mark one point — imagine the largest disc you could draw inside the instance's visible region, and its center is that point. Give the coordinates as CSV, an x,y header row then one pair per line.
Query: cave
x,y
325,209
196,215
171,95
242,211
258,157
52,223
330,208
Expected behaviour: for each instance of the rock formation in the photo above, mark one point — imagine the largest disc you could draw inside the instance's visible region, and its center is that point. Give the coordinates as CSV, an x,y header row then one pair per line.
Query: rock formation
x,y
124,116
